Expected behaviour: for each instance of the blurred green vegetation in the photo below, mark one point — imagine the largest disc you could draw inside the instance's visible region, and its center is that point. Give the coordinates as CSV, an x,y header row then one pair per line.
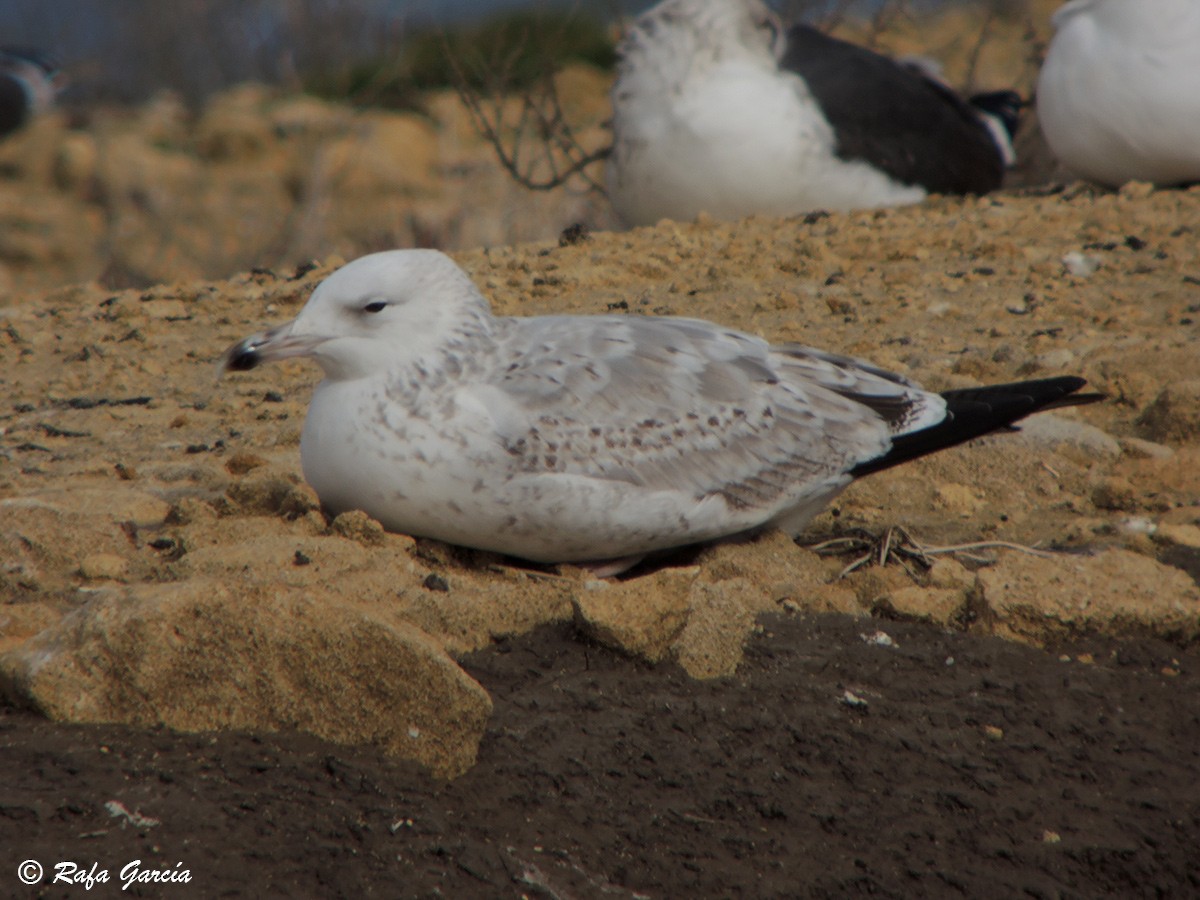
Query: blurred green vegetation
x,y
509,52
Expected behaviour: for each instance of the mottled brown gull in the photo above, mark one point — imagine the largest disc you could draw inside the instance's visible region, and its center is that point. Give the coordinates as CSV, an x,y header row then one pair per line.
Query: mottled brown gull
x,y
590,439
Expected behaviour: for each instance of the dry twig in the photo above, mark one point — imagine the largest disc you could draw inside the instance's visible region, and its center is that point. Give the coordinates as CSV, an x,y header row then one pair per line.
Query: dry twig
x,y
897,544
540,123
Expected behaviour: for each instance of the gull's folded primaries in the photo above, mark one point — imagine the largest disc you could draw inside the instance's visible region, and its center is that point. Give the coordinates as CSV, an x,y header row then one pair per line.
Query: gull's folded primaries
x,y
1119,93
591,439
718,108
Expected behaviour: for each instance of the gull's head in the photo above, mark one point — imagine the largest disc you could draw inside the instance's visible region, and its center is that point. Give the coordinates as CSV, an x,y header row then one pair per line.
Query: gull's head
x,y
698,33
372,315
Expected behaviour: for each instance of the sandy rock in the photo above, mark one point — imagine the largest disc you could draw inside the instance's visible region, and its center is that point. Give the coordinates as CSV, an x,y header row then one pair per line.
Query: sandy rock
x,y
958,499
1182,515
358,526
1142,449
941,596
75,163
872,583
719,621
234,127
943,606
308,117
188,510
42,544
1114,592
19,621
270,492
103,567
642,616
1050,429
1115,494
701,616
388,154
1175,413
949,573
772,562
1182,535
201,657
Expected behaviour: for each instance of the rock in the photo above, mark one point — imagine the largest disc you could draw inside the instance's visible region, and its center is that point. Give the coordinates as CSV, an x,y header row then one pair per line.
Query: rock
x,y
1140,449
103,567
273,493
358,526
199,656
1175,413
234,126
20,621
118,504
1115,592
1181,515
1052,430
1081,265
950,573
643,616
958,499
943,606
1115,494
701,616
43,544
1181,535
718,623
75,163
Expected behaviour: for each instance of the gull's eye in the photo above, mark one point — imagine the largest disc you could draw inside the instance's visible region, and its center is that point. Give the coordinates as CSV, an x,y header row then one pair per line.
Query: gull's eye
x,y
375,306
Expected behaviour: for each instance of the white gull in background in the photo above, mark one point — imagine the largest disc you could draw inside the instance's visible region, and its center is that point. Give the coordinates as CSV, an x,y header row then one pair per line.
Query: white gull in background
x,y
590,439
717,108
1118,96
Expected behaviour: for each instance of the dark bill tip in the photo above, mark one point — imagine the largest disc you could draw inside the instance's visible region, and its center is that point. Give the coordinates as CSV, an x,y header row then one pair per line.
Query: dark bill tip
x,y
242,357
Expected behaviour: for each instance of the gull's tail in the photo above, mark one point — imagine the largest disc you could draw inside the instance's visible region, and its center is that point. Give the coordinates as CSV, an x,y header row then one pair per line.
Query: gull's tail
x,y
973,412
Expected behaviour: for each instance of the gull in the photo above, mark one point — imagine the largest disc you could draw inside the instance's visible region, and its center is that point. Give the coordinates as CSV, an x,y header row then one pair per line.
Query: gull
x,y
29,82
718,109
1118,96
593,440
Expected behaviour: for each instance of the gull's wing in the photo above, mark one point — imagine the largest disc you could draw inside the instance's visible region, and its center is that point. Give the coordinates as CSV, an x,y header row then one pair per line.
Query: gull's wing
x,y
892,116
683,405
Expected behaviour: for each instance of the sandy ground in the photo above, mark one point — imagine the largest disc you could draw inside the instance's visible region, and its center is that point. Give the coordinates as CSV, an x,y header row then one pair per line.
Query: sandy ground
x,y
977,767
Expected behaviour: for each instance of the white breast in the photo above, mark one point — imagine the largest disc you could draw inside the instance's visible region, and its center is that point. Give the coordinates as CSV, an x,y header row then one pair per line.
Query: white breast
x,y
1119,93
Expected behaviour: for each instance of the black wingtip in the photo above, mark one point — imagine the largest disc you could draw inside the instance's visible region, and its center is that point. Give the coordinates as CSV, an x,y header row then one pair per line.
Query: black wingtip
x,y
974,412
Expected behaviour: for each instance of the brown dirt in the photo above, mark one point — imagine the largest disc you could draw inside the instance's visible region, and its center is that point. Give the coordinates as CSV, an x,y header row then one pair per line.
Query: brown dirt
x,y
977,768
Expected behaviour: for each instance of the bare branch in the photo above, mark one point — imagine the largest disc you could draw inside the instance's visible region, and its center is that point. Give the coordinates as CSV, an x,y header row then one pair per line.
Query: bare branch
x,y
541,125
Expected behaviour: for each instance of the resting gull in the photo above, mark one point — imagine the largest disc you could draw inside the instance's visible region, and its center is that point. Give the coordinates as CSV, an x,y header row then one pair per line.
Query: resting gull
x,y
590,439
29,82
717,108
1118,96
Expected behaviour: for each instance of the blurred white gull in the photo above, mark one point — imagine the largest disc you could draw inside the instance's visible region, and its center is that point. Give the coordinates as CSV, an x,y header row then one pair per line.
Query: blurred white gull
x,y
717,108
29,82
1118,96
590,439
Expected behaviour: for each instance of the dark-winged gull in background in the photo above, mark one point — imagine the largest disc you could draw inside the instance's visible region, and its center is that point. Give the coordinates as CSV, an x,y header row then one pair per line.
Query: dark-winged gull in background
x,y
591,439
717,108
1118,96
29,82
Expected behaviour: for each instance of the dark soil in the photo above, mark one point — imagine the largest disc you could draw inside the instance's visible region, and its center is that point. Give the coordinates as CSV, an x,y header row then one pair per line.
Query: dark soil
x,y
977,768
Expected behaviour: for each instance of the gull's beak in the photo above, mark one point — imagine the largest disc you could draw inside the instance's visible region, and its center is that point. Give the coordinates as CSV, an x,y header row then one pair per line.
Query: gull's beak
x,y
268,346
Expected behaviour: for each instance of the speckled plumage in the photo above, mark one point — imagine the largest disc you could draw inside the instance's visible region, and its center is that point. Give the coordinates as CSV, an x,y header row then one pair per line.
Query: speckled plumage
x,y
570,438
